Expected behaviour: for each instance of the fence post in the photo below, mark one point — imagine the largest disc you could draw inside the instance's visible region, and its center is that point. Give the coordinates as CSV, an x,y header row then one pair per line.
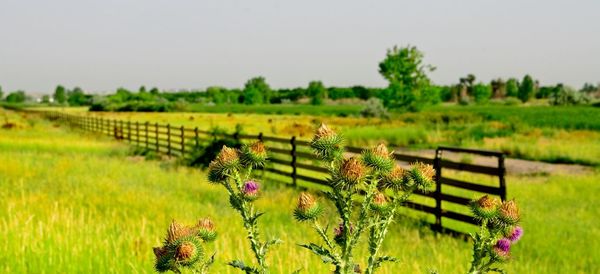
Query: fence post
x,y
260,137
501,177
121,129
182,142
156,137
169,139
146,133
437,165
196,137
129,131
137,133
293,163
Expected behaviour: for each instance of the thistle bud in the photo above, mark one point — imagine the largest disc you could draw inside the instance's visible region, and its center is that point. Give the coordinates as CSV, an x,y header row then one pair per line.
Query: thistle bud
x,y
485,208
327,144
250,190
422,176
380,202
502,249
175,232
515,234
206,230
188,251
508,213
307,208
226,161
378,158
254,155
350,173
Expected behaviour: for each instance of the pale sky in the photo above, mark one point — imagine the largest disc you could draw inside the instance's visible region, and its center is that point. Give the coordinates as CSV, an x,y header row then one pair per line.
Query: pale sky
x,y
173,44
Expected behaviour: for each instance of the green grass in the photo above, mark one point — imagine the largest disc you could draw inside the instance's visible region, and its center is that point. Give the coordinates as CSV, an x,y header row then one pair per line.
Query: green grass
x,y
75,203
291,109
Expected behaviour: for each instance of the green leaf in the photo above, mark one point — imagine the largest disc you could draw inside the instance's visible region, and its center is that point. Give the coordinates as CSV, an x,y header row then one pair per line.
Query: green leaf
x,y
240,265
382,259
323,252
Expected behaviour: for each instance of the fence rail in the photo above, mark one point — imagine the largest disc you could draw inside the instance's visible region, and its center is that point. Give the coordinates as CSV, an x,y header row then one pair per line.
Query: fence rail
x,y
299,166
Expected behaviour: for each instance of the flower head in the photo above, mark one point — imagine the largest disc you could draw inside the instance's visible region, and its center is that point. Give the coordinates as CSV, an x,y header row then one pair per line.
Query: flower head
x,y
327,144
508,213
206,229
515,234
485,207
421,176
396,179
254,155
379,158
502,249
380,202
226,161
250,190
350,173
307,208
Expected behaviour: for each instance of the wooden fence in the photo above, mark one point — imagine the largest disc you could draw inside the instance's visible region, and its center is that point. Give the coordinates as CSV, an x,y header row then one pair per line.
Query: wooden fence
x,y
293,164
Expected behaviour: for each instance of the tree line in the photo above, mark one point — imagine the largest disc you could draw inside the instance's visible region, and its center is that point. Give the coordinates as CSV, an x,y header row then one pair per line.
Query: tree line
x,y
409,88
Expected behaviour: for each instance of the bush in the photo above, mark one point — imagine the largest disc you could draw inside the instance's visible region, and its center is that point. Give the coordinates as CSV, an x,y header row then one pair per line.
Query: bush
x,y
565,96
374,108
512,101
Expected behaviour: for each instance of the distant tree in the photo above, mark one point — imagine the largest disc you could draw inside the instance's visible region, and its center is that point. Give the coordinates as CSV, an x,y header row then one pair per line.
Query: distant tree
x,y
142,89
563,95
257,91
363,92
16,97
1,93
407,77
587,88
481,93
466,87
46,99
498,88
154,91
60,95
217,94
512,87
77,97
317,92
526,89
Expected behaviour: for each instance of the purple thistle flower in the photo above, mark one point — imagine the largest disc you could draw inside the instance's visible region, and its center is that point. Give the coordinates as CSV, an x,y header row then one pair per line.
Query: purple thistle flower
x,y
251,188
503,245
516,234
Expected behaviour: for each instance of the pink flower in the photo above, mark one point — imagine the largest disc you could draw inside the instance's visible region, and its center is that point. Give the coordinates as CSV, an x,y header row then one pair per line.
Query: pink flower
x,y
516,234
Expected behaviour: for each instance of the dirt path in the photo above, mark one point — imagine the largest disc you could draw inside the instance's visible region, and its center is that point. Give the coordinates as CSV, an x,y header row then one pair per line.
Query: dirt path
x,y
513,166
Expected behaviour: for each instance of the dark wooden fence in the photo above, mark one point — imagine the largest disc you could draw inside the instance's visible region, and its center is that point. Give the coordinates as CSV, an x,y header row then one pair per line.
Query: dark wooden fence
x,y
293,164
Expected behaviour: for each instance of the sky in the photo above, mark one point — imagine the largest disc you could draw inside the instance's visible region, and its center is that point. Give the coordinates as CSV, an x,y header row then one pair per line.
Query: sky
x,y
175,44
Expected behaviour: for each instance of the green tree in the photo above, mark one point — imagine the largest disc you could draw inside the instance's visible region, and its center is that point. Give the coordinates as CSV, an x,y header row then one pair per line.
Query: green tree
x,y
498,88
257,91
526,89
512,87
481,93
1,93
317,92
16,97
60,95
407,77
77,97
46,99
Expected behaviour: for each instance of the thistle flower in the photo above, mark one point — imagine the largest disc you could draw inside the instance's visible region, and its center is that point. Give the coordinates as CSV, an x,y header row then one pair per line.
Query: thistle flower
x,y
485,207
226,161
421,176
206,230
396,179
188,250
327,144
509,213
175,232
307,208
182,247
380,202
515,234
350,173
379,159
502,249
254,155
250,190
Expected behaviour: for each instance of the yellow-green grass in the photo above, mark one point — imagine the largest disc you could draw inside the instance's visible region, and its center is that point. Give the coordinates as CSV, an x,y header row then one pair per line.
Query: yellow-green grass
x,y
518,140
75,203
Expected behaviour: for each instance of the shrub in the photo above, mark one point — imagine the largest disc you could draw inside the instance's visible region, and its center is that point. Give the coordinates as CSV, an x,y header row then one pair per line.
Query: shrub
x,y
386,186
374,108
481,93
564,96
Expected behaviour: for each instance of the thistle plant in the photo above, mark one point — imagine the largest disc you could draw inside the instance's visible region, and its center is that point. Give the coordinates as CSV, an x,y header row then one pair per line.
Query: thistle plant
x,y
182,248
499,230
232,169
384,185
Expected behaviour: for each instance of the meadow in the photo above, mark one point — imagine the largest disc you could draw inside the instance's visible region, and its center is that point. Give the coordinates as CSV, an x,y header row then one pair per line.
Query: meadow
x,y
80,203
541,133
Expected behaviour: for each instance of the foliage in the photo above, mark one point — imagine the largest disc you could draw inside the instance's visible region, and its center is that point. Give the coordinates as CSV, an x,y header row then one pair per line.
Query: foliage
x,y
526,89
386,186
564,96
407,77
77,97
60,95
257,91
1,93
374,108
499,230
317,92
481,93
232,168
512,87
183,248
16,97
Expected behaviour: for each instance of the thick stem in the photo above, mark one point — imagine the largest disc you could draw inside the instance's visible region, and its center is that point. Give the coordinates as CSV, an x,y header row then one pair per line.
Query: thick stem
x,y
376,241
252,229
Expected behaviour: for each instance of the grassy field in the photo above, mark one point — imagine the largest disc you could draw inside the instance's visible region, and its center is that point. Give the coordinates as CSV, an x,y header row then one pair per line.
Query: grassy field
x,y
77,203
551,134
